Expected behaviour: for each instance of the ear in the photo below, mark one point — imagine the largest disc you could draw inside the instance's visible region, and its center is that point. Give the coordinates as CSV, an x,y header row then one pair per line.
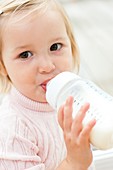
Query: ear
x,y
3,71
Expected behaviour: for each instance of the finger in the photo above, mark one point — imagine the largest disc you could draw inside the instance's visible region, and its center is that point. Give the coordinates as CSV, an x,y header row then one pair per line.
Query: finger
x,y
77,123
85,133
82,112
68,109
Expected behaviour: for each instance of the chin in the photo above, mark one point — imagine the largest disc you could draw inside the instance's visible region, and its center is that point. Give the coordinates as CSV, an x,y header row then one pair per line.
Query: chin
x,y
42,100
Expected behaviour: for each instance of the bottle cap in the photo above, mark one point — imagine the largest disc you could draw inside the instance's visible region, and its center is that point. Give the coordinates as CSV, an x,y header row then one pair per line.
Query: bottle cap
x,y
55,86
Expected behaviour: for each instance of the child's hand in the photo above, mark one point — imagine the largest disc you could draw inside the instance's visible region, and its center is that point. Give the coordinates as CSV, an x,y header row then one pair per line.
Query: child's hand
x,y
79,154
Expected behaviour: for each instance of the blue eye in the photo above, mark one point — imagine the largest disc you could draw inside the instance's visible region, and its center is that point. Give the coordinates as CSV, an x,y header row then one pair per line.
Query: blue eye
x,y
25,54
55,47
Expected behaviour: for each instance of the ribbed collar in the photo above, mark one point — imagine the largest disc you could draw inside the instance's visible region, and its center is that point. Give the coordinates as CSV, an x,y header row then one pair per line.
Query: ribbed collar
x,y
18,98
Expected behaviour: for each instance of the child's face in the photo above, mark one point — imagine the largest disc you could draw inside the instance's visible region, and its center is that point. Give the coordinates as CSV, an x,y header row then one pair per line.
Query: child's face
x,y
36,49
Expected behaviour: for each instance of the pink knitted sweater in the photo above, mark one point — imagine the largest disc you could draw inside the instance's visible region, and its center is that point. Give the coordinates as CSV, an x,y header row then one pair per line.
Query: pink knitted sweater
x,y
30,137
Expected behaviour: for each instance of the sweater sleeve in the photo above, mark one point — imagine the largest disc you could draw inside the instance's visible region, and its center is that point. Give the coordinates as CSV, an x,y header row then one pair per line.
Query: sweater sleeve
x,y
18,145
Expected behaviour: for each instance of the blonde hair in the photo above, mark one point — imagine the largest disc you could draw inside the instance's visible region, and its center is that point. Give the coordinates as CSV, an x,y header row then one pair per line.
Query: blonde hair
x,y
10,8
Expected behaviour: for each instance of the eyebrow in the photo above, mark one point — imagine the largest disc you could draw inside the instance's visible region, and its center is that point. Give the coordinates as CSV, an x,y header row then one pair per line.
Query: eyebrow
x,y
29,45
60,38
22,47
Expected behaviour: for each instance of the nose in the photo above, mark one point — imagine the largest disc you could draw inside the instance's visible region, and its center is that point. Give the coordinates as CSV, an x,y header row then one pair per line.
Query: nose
x,y
46,65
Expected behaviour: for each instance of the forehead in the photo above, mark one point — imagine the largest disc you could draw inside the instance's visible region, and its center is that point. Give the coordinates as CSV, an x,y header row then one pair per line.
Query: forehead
x,y
49,24
29,16
49,18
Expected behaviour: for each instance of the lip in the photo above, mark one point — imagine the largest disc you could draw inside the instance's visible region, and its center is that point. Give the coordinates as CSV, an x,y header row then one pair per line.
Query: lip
x,y
44,84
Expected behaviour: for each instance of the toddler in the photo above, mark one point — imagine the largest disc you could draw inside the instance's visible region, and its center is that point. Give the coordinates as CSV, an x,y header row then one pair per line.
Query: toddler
x,y
36,44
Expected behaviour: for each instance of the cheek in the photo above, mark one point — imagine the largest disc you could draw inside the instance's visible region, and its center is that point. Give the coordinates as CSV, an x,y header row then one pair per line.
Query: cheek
x,y
15,74
69,58
67,64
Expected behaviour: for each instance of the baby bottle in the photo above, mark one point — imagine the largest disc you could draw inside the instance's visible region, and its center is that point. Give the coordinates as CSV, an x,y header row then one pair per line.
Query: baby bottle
x,y
101,105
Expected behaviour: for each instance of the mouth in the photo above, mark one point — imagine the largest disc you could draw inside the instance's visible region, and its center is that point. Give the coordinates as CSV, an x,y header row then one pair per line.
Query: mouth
x,y
44,85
